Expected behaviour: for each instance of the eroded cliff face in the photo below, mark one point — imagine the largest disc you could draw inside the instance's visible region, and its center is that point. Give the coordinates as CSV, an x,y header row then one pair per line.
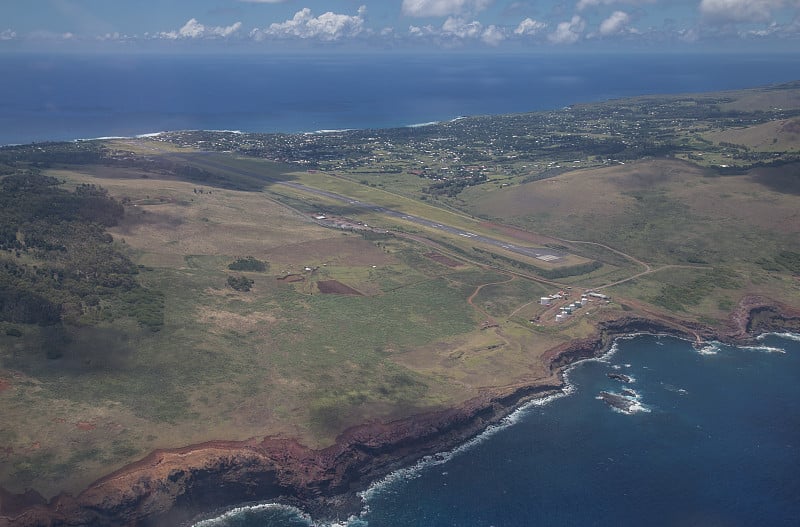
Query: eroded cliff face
x,y
172,486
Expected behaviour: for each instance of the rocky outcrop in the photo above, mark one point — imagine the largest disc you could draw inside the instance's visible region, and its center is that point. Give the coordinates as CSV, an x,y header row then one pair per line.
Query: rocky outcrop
x,y
172,486
621,377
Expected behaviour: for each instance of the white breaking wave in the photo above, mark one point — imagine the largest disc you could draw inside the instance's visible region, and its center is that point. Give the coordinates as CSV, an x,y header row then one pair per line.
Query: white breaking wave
x,y
638,408
238,511
635,401
105,138
420,125
788,336
329,131
415,471
711,348
151,134
766,349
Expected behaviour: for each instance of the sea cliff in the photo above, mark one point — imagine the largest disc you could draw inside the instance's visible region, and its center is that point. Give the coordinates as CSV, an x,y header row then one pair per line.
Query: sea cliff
x,y
172,486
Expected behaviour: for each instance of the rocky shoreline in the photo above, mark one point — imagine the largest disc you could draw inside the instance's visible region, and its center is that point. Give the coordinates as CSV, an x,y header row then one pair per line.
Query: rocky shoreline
x,y
170,487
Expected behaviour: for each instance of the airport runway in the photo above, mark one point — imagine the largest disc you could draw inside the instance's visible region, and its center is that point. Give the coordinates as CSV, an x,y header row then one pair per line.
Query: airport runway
x,y
541,253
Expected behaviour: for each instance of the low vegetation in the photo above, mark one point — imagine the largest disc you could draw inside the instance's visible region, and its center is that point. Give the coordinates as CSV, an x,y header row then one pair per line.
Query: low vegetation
x,y
130,319
240,283
249,264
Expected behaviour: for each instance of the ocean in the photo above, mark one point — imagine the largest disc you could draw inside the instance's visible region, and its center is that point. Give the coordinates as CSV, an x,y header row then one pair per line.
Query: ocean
x,y
66,97
712,440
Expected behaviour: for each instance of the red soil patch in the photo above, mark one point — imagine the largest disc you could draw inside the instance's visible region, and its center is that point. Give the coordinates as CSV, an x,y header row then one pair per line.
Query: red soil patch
x,y
334,287
85,425
291,278
442,259
4,385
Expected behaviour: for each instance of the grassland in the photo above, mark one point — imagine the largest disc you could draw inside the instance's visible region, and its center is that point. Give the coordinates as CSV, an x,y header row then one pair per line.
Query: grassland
x,y
671,233
724,232
281,359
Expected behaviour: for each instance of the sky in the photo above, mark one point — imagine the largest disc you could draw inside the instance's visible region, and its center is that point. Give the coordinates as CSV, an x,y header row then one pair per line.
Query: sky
x,y
271,25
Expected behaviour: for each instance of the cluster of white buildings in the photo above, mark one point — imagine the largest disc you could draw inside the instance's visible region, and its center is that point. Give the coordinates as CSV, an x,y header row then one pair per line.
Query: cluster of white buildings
x,y
569,309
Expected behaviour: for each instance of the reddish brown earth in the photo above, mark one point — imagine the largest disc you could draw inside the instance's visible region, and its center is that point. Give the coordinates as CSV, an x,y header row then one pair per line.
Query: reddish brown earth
x,y
335,287
172,486
84,425
5,384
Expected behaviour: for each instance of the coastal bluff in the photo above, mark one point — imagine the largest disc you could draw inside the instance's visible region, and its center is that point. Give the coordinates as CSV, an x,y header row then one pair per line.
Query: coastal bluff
x,y
170,487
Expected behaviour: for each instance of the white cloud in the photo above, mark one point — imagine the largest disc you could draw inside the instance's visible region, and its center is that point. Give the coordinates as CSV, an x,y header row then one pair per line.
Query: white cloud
x,y
416,31
226,31
457,30
115,36
458,27
583,4
423,8
493,35
327,26
8,34
739,10
616,23
568,32
529,26
193,29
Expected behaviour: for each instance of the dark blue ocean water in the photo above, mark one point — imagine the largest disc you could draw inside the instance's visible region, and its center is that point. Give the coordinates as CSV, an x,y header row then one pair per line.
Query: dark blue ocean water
x,y
63,97
715,442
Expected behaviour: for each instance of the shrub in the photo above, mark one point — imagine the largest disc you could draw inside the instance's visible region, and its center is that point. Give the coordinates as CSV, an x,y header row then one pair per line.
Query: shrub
x,y
240,283
248,264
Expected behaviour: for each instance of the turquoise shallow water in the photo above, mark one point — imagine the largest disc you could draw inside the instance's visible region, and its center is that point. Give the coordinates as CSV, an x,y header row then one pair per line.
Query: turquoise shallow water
x,y
714,440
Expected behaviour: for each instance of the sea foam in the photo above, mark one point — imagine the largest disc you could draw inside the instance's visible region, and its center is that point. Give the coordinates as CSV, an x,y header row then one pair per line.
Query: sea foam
x,y
711,348
225,518
414,471
788,336
765,349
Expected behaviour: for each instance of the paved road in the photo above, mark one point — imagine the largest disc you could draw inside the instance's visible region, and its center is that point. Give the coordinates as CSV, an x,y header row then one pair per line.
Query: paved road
x,y
544,254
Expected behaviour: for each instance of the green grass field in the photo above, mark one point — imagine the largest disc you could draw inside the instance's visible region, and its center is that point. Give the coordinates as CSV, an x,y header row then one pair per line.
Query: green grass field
x,y
422,319
281,359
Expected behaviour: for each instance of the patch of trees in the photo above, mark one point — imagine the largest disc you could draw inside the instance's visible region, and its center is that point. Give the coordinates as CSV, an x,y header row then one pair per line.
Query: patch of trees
x,y
26,307
240,283
452,187
249,263
59,265
44,155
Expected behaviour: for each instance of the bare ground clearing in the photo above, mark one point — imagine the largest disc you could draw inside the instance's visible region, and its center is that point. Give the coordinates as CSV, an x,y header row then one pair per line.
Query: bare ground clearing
x,y
334,287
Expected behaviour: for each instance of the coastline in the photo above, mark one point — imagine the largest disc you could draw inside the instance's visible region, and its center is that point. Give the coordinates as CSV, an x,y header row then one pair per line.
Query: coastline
x,y
175,486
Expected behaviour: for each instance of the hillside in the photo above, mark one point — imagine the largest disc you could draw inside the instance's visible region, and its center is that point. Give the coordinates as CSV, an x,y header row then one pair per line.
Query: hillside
x,y
296,298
